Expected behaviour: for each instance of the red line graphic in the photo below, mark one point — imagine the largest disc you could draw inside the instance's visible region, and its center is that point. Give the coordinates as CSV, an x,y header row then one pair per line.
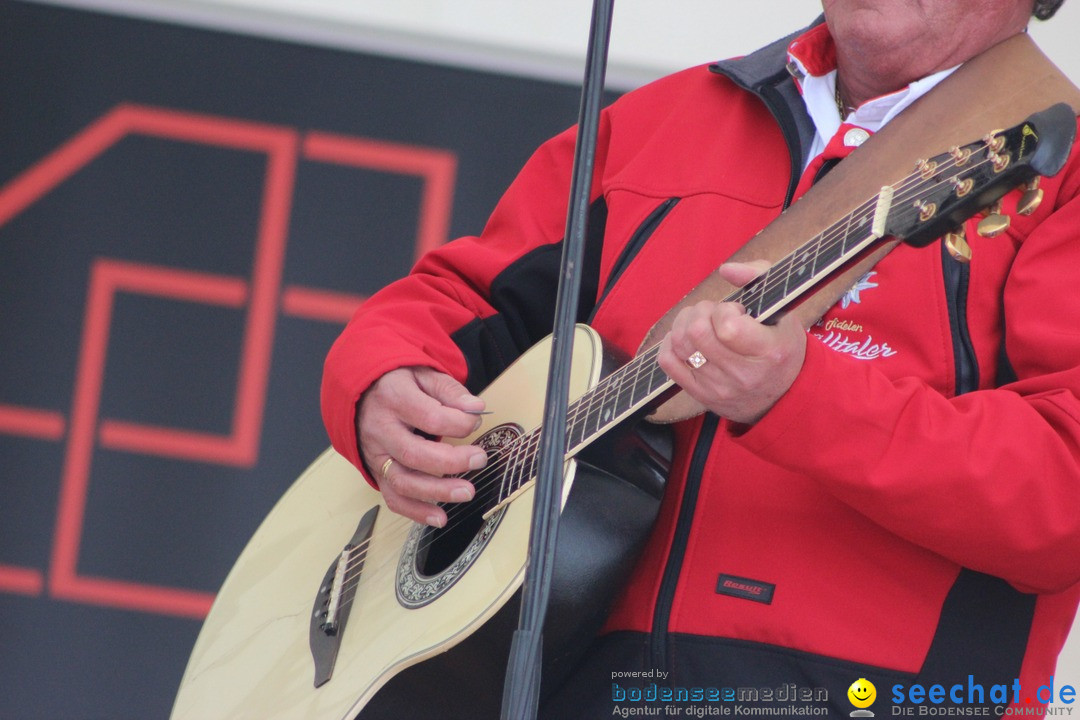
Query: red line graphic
x,y
21,581
41,424
61,164
261,296
106,278
320,305
437,167
182,285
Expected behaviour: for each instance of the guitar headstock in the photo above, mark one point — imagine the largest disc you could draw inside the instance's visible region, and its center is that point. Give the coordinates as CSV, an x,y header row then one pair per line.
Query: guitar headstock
x,y
947,189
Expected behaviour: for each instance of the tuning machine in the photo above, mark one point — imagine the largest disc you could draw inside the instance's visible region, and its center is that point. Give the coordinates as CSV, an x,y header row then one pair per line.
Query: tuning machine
x,y
1031,198
957,245
994,223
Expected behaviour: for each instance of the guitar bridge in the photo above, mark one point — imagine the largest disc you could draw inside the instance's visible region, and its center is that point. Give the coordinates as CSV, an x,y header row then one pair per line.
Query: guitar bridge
x,y
331,623
334,599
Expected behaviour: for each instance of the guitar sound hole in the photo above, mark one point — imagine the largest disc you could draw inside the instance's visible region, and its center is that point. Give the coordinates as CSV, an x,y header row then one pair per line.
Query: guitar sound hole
x,y
453,547
440,547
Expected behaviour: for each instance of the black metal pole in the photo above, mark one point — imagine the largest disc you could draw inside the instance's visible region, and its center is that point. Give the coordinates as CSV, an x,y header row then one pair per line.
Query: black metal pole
x,y
521,691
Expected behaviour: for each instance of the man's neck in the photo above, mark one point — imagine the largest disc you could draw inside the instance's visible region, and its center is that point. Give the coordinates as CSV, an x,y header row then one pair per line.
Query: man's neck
x,y
863,76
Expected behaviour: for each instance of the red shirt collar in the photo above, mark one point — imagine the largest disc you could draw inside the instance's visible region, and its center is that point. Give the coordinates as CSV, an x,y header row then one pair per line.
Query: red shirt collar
x,y
815,50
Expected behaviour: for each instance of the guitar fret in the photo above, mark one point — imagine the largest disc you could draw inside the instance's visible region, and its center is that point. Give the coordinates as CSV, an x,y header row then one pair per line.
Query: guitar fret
x,y
608,400
750,297
628,395
756,305
505,487
641,379
810,259
853,234
509,485
784,267
645,377
778,291
528,463
578,422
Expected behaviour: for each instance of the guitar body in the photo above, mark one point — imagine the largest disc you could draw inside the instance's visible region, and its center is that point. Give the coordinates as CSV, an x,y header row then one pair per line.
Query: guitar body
x,y
253,657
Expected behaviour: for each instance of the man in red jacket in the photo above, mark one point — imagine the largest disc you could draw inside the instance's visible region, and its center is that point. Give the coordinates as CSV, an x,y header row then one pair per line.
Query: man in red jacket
x,y
892,496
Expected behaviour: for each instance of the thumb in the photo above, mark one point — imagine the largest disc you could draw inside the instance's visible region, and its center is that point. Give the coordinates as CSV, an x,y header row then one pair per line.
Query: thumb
x,y
740,273
447,390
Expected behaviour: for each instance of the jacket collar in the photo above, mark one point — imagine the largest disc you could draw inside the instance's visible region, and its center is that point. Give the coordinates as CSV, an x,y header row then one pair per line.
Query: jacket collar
x,y
765,73
766,66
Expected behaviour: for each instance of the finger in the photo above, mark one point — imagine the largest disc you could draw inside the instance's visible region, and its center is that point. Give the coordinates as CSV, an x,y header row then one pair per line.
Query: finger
x,y
705,328
735,332
691,323
419,510
410,483
674,362
432,457
744,337
416,510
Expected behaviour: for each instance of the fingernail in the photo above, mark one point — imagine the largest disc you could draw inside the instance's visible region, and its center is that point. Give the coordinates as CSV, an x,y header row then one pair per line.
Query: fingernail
x,y
460,495
471,403
435,521
477,461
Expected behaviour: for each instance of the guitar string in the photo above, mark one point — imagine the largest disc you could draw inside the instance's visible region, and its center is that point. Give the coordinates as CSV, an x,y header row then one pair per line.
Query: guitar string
x,y
528,439
915,179
771,284
353,579
488,476
768,285
522,447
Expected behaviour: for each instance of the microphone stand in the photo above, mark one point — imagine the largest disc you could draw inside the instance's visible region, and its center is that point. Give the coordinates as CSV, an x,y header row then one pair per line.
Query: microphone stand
x,y
521,689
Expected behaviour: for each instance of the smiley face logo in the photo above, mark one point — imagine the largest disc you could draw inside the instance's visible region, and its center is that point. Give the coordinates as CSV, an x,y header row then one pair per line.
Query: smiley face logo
x,y
862,693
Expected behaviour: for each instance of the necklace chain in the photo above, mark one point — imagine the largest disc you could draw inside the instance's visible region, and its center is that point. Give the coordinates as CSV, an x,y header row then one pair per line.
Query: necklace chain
x,y
840,102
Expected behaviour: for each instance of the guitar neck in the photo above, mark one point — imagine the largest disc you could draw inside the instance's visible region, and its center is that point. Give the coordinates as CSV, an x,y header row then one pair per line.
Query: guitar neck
x,y
641,381
796,273
935,198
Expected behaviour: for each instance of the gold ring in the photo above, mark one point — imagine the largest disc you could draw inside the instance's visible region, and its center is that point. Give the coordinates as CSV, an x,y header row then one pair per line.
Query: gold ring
x,y
385,467
696,360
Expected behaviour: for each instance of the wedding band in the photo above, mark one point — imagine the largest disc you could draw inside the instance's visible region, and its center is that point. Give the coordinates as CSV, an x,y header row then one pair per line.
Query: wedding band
x,y
696,360
385,467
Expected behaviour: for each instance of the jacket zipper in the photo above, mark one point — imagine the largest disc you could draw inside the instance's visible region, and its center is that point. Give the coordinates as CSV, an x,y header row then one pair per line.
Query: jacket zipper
x,y
670,580
774,101
637,241
957,276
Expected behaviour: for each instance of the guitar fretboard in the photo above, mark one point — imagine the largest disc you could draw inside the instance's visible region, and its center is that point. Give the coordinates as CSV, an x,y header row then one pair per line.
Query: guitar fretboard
x,y
917,198
640,381
800,270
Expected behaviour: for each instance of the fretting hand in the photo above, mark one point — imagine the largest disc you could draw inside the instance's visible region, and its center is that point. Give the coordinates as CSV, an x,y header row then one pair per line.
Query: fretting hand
x,y
742,366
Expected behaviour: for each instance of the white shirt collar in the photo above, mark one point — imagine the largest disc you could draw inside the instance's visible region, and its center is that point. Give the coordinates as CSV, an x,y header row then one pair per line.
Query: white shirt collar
x,y
819,95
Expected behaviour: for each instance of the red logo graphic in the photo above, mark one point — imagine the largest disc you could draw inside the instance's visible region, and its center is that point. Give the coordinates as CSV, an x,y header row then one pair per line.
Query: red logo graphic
x,y
261,297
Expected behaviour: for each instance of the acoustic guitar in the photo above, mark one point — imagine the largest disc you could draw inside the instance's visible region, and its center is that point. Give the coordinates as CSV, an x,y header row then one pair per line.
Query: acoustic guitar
x,y
338,608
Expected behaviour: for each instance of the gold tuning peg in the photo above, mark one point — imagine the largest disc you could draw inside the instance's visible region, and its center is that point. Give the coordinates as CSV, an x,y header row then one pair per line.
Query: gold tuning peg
x,y
1031,199
957,246
994,223
994,141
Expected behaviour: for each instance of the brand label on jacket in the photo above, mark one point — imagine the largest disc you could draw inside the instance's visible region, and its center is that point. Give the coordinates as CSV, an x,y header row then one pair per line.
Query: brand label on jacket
x,y
745,588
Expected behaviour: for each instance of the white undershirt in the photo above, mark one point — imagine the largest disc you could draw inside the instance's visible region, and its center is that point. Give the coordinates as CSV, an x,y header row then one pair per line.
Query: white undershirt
x,y
819,95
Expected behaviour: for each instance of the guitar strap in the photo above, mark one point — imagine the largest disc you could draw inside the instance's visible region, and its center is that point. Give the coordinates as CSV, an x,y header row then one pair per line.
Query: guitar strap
x,y
997,89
